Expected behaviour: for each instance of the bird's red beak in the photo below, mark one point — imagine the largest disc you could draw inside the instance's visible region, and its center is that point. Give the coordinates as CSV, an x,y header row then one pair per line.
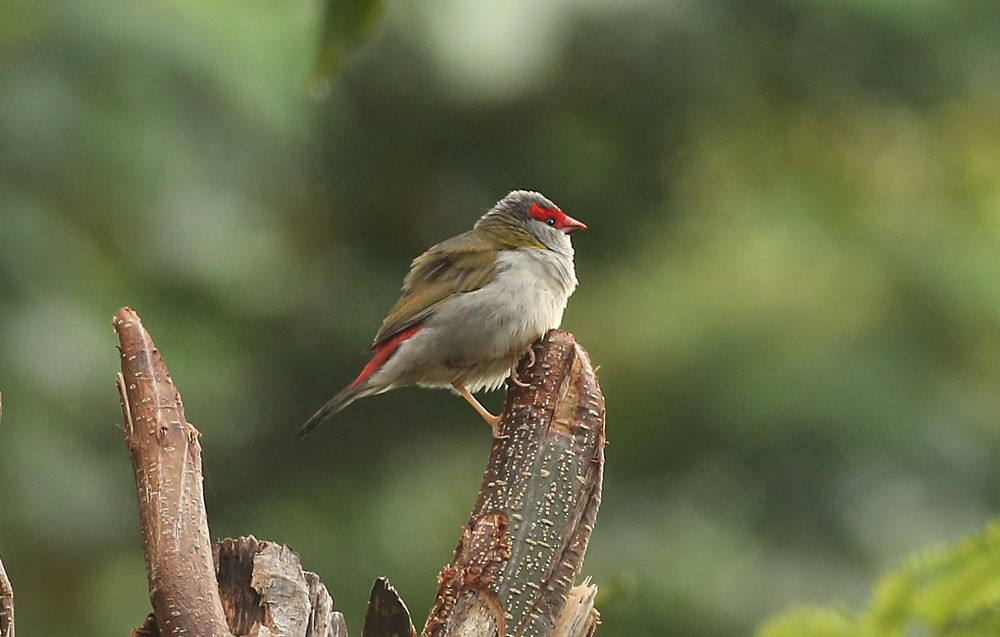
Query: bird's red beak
x,y
569,224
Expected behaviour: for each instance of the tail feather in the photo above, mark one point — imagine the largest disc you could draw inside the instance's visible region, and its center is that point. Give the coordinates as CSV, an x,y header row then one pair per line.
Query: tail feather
x,y
345,397
362,385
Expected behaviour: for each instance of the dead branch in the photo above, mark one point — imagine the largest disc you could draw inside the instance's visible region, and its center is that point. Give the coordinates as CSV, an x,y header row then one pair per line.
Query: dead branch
x,y
166,458
524,544
6,590
234,587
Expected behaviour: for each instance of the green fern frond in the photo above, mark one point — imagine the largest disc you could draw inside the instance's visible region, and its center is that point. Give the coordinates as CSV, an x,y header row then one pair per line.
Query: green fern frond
x,y
952,591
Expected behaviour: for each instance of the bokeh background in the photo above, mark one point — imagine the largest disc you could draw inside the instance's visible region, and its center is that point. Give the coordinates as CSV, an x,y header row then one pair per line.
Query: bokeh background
x,y
790,282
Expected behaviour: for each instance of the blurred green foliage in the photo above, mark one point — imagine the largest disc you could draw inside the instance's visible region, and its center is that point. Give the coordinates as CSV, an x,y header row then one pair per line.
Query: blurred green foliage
x,y
345,24
789,280
946,592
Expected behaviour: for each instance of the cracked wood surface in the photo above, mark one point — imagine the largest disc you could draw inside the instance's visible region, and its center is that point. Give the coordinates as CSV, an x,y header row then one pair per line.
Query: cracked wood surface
x,y
514,568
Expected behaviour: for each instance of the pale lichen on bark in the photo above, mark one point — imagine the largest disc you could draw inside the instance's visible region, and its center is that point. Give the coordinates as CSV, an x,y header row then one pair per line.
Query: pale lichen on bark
x,y
539,498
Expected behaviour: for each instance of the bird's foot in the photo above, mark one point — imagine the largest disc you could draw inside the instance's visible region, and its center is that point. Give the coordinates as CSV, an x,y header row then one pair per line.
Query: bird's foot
x,y
514,379
495,426
513,370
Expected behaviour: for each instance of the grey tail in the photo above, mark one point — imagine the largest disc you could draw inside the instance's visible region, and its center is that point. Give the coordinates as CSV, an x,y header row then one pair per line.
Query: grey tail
x,y
345,397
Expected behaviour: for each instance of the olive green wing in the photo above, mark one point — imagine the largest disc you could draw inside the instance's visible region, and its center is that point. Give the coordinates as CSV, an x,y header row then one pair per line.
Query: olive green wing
x,y
461,264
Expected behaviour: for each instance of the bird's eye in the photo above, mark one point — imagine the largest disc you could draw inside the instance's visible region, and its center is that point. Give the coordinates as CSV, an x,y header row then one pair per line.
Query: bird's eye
x,y
551,221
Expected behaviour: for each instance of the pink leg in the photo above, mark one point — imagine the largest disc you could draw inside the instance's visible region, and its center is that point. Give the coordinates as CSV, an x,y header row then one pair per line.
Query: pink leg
x,y
491,420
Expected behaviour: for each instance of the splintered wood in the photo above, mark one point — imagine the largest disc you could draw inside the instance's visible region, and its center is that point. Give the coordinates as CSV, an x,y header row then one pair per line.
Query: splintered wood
x,y
523,547
266,593
387,614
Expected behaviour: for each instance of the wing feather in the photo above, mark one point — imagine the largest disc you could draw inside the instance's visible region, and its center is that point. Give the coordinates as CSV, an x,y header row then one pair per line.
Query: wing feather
x,y
456,266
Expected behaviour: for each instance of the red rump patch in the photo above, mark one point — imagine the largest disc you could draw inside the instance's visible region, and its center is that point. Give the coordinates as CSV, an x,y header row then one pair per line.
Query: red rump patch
x,y
382,354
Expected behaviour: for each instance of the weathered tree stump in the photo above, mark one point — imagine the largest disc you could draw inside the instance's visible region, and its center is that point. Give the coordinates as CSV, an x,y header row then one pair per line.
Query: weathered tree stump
x,y
512,572
524,544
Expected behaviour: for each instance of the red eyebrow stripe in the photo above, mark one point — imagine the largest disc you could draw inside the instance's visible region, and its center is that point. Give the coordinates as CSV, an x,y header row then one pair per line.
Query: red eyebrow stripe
x,y
538,212
543,214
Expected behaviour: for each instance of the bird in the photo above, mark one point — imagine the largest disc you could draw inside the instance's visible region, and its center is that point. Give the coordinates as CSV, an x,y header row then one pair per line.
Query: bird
x,y
471,306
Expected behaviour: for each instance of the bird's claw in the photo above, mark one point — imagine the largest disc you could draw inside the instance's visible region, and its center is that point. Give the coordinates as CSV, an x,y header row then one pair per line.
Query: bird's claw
x,y
513,370
496,431
517,381
494,423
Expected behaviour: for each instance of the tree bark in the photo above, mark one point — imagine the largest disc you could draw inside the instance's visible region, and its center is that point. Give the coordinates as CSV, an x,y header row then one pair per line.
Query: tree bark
x,y
523,547
6,605
513,569
234,587
166,458
6,591
266,593
387,614
512,572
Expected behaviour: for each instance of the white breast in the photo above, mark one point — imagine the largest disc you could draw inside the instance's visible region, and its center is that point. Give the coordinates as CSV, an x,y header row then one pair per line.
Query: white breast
x,y
537,284
490,328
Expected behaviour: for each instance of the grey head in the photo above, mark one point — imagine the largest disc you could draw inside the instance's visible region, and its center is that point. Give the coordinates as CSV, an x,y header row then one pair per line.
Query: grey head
x,y
535,214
